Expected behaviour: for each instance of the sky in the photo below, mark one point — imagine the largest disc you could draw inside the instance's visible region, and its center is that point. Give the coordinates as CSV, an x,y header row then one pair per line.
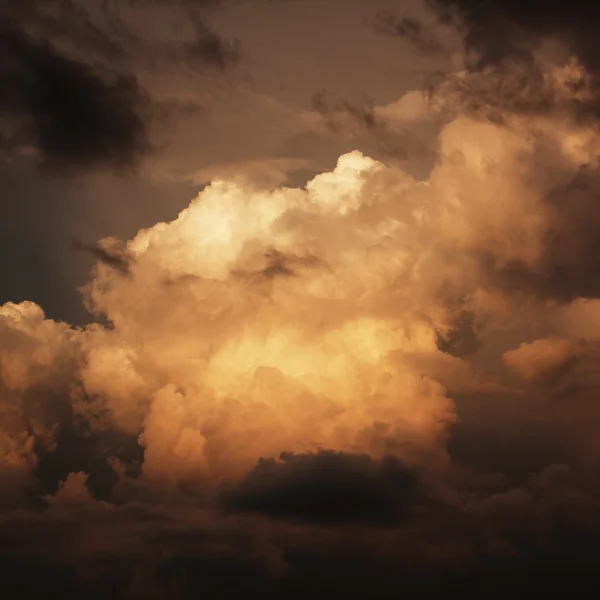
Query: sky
x,y
299,299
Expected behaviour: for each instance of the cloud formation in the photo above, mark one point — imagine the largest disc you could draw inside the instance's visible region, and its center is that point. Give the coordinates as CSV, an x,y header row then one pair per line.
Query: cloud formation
x,y
68,112
522,26
282,381
72,91
503,42
327,487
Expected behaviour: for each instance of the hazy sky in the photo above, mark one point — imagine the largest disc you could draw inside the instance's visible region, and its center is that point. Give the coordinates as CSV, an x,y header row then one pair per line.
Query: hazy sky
x,y
299,298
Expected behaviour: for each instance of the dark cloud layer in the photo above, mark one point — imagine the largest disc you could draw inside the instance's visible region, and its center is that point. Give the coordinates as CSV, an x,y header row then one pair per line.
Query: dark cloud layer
x,y
327,487
70,93
66,110
501,37
502,29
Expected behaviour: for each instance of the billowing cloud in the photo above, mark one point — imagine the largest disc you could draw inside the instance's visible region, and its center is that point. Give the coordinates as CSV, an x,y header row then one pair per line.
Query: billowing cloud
x,y
290,320
272,253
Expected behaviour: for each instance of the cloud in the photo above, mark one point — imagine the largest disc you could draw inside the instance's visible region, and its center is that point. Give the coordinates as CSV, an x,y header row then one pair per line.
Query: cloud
x,y
509,48
564,376
327,487
523,26
75,84
189,368
461,339
535,360
387,133
285,371
71,114
232,360
567,267
111,258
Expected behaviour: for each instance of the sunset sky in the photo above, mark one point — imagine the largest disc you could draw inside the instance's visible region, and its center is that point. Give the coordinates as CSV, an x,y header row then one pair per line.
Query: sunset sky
x,y
299,298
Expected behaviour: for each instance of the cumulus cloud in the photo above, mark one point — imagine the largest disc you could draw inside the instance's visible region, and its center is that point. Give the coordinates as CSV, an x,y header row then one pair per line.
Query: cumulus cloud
x,y
240,377
262,321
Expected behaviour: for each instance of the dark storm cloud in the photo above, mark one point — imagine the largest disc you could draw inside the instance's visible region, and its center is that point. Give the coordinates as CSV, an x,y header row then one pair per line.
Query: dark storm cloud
x,y
501,37
327,487
72,115
79,449
539,535
502,29
68,79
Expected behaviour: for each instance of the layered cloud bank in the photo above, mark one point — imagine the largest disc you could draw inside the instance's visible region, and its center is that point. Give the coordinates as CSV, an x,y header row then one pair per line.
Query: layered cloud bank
x,y
289,383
